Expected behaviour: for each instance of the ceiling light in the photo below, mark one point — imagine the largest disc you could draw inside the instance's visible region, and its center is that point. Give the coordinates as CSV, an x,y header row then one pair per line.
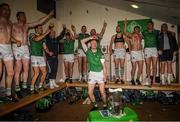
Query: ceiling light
x,y
134,6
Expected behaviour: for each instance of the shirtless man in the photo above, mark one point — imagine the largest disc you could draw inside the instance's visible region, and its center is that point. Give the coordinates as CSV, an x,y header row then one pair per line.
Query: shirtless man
x,y
135,48
6,55
20,32
99,35
119,53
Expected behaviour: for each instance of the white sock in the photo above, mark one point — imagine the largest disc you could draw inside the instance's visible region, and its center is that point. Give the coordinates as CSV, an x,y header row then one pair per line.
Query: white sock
x,y
169,78
80,76
85,76
163,79
8,91
51,84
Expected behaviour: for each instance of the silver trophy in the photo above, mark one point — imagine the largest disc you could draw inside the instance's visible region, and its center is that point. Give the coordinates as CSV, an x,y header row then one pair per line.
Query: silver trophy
x,y
115,102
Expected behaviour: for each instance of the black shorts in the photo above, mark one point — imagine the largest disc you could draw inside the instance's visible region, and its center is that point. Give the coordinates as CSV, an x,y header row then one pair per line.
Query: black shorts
x,y
167,55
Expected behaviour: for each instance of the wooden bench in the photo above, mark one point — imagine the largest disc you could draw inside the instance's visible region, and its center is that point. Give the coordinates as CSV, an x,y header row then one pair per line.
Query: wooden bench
x,y
155,87
10,107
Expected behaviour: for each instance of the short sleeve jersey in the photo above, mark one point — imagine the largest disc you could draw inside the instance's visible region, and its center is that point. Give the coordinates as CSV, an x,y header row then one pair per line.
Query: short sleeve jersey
x,y
36,47
68,46
150,38
94,60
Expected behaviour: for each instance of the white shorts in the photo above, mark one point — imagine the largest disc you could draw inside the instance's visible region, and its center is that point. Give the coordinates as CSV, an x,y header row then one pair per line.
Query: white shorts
x,y
119,53
21,52
150,52
6,53
69,58
95,77
38,61
81,53
136,56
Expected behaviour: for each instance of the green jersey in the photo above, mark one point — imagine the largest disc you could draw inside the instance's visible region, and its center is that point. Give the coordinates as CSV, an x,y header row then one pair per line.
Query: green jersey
x,y
68,46
80,37
94,60
36,47
150,38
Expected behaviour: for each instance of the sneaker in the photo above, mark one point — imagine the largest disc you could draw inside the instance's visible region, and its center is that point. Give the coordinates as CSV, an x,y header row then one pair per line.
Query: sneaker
x,y
19,94
54,84
117,80
138,82
11,98
25,92
146,82
70,80
67,79
122,82
29,92
83,80
42,89
34,92
61,80
133,83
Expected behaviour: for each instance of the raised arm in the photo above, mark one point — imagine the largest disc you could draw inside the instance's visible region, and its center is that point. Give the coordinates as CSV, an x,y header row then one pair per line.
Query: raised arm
x,y
125,25
62,34
102,30
72,36
84,41
74,31
41,20
127,36
42,36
